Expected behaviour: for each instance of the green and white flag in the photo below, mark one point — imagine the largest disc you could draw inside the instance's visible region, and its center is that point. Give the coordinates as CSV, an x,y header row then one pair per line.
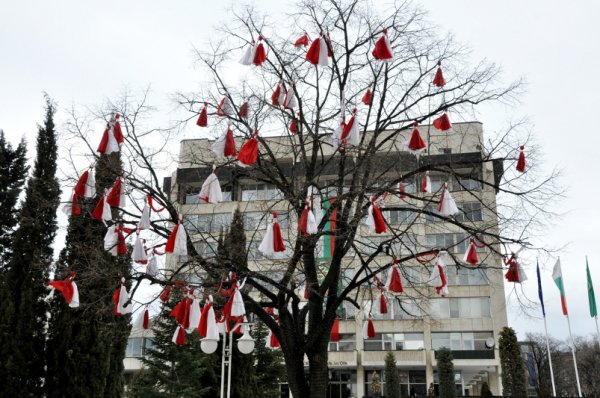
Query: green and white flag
x,y
591,295
558,279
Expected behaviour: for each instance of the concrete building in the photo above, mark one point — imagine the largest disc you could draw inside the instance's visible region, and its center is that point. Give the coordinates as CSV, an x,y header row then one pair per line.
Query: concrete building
x,y
419,321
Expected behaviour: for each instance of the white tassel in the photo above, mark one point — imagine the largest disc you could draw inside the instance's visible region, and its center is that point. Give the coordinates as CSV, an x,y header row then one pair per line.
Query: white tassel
x,y
152,267
75,300
122,308
139,253
323,52
90,185
195,315
289,101
447,204
211,190
111,239
248,57
237,308
266,246
144,222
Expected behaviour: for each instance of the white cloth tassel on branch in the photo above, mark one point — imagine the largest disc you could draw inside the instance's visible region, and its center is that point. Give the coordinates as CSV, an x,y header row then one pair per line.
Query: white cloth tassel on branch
x,y
152,267
144,222
111,239
248,57
211,190
212,329
194,315
447,205
139,252
122,307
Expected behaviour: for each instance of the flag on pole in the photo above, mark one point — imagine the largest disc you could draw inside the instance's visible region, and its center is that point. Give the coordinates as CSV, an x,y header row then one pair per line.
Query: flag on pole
x,y
591,295
540,294
558,279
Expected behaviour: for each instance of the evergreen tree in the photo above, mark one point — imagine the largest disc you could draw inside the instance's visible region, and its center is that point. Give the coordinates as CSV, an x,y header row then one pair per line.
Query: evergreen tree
x,y
485,391
392,378
270,370
176,371
13,170
24,308
511,361
446,373
86,346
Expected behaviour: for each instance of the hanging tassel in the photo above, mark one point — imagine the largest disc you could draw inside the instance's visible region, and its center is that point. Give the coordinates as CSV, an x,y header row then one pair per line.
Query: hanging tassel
x,y
203,117
275,96
293,127
442,122
383,309
224,108
447,205
165,295
394,284
367,97
139,255
438,80
521,161
375,218
383,49
416,144
369,329
289,101
244,108
195,315
68,289
335,331
471,256
143,320
85,188
351,131
260,54
225,145
272,241
112,139
307,224
248,56
179,336
211,190
248,154
177,242
144,222
302,41
515,272
116,196
102,210
74,209
318,53
426,183
152,267
438,279
120,299
272,341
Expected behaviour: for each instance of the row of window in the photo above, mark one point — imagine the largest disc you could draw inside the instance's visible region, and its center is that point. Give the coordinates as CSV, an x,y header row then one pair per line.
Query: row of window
x,y
467,341
137,347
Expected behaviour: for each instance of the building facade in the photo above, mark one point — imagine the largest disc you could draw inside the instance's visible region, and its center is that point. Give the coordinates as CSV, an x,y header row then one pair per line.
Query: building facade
x,y
419,321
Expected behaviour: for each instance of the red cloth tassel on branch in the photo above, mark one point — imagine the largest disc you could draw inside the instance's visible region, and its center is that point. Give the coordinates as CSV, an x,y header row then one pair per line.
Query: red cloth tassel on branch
x,y
260,54
521,162
302,41
203,117
367,97
439,80
442,122
248,154
335,331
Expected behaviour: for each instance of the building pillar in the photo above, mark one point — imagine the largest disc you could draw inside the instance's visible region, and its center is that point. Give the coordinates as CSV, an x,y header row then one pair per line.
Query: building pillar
x,y
428,351
360,379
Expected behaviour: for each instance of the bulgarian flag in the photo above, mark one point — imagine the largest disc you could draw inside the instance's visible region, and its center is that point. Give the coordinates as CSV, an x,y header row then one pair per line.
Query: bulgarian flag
x,y
558,279
591,295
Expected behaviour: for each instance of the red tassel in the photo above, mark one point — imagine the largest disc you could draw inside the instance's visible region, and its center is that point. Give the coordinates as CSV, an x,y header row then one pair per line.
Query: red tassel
x,y
146,322
274,342
243,113
444,283
293,127
521,161
202,118
165,295
383,309
80,186
114,195
438,80
220,111
248,154
260,55
306,293
471,256
395,285
229,149
180,340
117,130
380,226
512,275
366,99
171,241
65,287
302,41
416,143
348,126
312,55
370,329
75,209
103,142
275,95
335,331
278,245
442,122
303,221
382,51
121,244
424,186
99,209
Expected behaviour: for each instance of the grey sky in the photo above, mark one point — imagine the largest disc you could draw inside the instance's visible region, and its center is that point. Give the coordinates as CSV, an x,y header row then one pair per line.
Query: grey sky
x,y
83,52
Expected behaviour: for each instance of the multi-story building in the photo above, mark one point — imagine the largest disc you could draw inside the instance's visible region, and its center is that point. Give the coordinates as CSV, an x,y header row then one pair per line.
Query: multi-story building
x,y
419,321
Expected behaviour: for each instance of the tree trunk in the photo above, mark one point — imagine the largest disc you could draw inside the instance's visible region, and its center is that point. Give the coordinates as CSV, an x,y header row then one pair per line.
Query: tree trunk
x,y
318,373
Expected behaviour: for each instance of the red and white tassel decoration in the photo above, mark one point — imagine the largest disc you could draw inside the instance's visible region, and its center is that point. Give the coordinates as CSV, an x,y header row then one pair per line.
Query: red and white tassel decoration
x,y
439,80
351,131
144,222
68,288
202,117
289,101
248,57
394,281
515,272
260,53
471,256
278,95
177,242
179,336
426,183
416,145
248,154
116,196
244,110
195,315
102,210
367,97
307,224
225,108
521,161
383,307
112,139
114,240
165,295
447,206
211,190
383,48
208,322
375,219
335,331
442,122
86,185
438,279
369,328
272,241
318,52
120,299
224,146
272,342
143,320
72,208
139,255
302,41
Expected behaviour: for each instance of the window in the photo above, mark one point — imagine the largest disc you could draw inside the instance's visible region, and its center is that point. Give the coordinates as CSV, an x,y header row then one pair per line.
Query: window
x,y
412,382
465,276
409,185
347,343
260,191
205,223
471,307
400,216
469,212
453,243
437,182
468,341
192,198
466,184
138,346
206,249
395,341
255,220
407,309
342,384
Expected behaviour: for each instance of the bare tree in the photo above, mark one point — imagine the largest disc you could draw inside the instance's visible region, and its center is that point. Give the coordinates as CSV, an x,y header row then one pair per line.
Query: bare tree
x,y
309,166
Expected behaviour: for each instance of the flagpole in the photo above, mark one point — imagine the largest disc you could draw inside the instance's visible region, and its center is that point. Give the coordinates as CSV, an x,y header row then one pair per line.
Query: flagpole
x,y
550,359
574,357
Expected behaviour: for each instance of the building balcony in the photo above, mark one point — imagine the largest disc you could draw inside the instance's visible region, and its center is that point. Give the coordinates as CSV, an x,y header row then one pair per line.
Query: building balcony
x,y
471,354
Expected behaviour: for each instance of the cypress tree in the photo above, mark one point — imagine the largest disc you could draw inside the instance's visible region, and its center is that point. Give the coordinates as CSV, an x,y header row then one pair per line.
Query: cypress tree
x,y
392,378
172,370
24,308
86,346
13,170
446,373
511,361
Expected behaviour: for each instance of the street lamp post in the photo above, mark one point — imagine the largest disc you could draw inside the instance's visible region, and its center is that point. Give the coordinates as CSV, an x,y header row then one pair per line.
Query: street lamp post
x,y
245,346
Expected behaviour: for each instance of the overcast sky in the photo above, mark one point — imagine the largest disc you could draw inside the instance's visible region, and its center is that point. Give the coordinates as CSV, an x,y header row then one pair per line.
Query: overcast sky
x,y
83,52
